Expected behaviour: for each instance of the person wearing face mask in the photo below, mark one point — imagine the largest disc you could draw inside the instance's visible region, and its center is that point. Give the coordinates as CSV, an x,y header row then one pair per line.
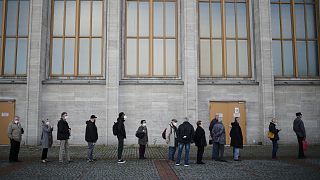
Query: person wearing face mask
x,y
91,136
121,135
142,134
200,141
171,138
46,140
15,132
63,134
275,139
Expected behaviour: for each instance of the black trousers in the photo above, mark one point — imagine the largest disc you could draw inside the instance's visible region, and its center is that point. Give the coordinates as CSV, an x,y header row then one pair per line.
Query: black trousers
x,y
200,153
44,153
301,152
142,150
120,148
14,150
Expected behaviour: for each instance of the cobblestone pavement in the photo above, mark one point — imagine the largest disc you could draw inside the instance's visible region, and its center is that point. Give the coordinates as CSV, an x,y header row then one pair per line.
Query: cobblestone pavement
x,y
256,164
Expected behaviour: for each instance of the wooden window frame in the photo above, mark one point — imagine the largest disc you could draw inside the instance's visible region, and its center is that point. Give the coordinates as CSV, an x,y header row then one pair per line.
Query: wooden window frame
x,y
77,38
17,37
151,38
224,39
294,39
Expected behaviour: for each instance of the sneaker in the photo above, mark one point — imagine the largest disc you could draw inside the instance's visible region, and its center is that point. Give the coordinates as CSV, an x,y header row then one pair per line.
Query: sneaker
x,y
186,165
121,161
177,164
43,161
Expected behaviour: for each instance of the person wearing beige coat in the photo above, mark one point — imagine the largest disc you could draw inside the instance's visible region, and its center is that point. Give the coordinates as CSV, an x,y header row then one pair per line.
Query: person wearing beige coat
x,y
15,132
171,138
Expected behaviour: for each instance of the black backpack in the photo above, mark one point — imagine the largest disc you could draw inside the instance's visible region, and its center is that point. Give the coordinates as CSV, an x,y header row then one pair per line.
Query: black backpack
x,y
115,128
164,133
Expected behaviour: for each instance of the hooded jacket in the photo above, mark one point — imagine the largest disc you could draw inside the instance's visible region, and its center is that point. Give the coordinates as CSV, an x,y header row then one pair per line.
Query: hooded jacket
x,y
121,129
91,132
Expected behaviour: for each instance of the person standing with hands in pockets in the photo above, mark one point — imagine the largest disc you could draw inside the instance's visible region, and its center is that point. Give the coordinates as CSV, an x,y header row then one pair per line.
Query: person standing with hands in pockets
x,y
91,136
63,134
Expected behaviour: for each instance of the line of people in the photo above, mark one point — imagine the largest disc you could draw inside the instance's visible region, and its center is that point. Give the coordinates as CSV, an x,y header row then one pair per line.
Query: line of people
x,y
180,137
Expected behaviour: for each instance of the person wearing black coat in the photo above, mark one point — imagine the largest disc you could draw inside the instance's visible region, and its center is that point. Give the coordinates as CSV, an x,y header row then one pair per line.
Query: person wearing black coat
x,y
200,141
121,135
236,138
91,136
63,135
275,131
298,128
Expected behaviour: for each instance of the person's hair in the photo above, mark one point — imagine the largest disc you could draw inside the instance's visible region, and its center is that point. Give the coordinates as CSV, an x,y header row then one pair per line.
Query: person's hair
x,y
274,119
185,119
298,114
16,117
236,119
199,122
63,113
121,114
143,121
174,120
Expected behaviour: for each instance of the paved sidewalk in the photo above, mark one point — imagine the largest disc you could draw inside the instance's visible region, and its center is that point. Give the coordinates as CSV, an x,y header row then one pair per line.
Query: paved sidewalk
x,y
256,164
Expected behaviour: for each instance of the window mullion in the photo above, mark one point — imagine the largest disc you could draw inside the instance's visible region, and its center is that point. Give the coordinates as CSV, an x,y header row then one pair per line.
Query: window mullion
x,y
90,40
318,32
76,52
294,39
236,29
210,29
138,38
3,37
224,64
151,38
16,39
164,39
306,36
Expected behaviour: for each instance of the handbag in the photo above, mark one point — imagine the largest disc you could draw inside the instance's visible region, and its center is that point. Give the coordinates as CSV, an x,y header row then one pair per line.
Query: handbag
x,y
305,145
270,135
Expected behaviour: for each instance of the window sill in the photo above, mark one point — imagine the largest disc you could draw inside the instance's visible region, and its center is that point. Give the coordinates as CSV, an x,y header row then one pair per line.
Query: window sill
x,y
74,82
227,82
13,81
292,82
151,82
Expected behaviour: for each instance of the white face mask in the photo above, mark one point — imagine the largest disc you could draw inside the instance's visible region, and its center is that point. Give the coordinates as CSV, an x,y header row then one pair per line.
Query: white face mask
x,y
16,122
175,124
125,117
47,123
144,124
66,117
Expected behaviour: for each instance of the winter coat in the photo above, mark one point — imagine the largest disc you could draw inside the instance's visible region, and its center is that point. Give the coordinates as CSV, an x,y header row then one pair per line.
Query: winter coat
x,y
121,129
236,135
185,133
218,133
212,123
275,131
171,135
91,132
46,136
144,140
15,131
63,132
298,128
200,137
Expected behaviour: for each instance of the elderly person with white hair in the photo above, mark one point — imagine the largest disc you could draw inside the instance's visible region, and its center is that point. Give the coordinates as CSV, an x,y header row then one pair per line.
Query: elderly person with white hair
x,y
218,135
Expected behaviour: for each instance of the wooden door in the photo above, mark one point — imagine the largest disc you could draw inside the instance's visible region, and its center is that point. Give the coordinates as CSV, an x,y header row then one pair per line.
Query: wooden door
x,y
228,111
7,113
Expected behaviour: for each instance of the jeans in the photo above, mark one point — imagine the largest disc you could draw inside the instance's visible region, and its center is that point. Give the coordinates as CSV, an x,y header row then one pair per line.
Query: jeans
x,y
120,148
90,150
64,148
218,151
236,152
215,151
274,148
14,150
187,150
44,153
172,151
301,152
200,153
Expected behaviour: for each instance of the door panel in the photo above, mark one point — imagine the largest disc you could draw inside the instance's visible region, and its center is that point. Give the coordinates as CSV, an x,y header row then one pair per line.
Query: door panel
x,y
7,112
227,109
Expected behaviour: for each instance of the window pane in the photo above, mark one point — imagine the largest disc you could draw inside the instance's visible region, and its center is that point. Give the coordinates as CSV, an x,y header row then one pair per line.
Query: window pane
x,y
56,56
143,56
84,57
231,58
131,18
1,3
243,58
96,56
131,66
204,20
313,58
300,24
311,21
85,18
97,18
170,19
158,19
242,20
216,20
143,19
230,20
302,58
22,56
23,18
205,57
71,18
171,57
10,52
69,56
287,58
275,20
277,61
158,57
286,21
12,18
58,18
217,57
